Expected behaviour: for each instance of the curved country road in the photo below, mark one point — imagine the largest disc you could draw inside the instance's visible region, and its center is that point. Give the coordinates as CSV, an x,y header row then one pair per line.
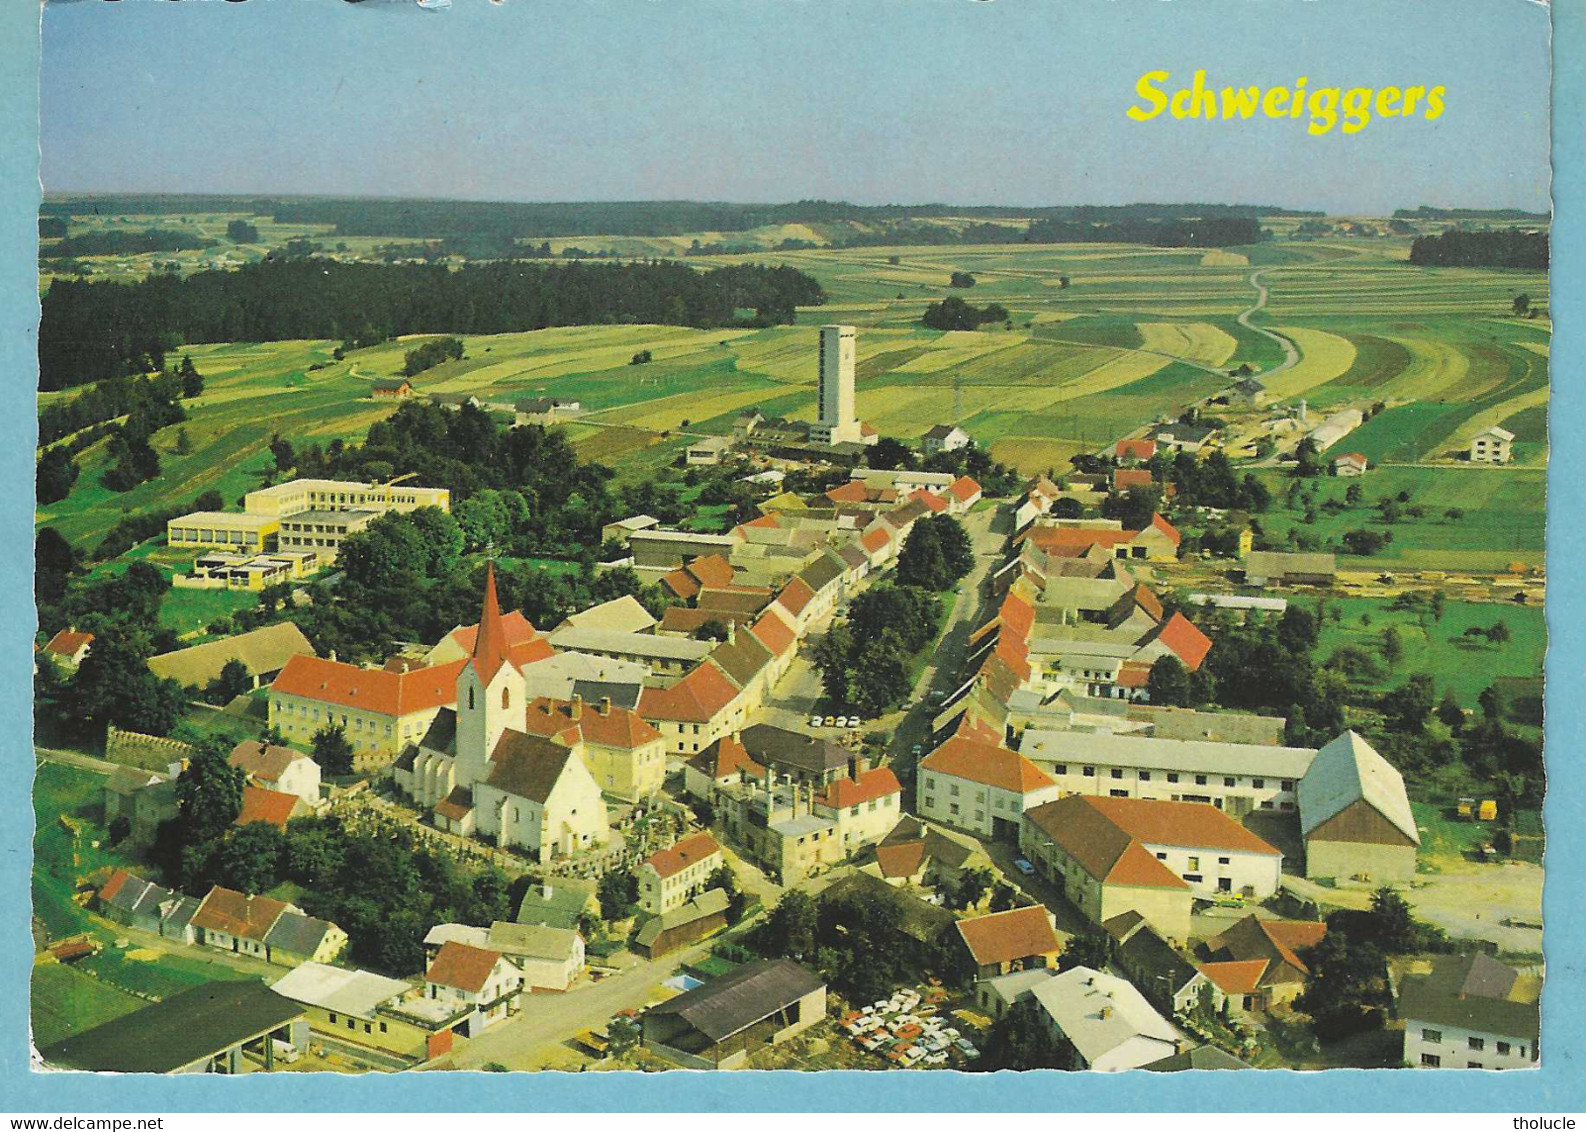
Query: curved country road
x,y
1291,353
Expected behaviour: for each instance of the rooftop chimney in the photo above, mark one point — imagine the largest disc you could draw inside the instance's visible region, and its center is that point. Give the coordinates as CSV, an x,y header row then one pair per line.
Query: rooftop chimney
x,y
605,705
548,891
857,764
732,630
577,708
333,656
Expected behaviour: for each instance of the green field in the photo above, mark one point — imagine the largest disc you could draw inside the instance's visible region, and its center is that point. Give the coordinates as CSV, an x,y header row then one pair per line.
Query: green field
x,y
1503,517
104,986
1439,647
1137,334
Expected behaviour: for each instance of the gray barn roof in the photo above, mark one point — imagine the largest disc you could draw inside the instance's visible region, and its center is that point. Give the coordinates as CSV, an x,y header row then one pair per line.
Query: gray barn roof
x,y
740,998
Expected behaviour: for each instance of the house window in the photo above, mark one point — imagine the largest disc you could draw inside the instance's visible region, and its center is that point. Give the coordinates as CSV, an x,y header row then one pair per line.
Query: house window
x,y
1161,856
1059,768
930,803
1193,878
1119,793
1116,773
1089,772
1478,1043
1194,864
1145,776
1503,1047
1433,1036
1222,860
1229,781
1431,1060
333,1019
1172,777
952,789
1472,1065
1288,784
1258,783
953,808
1200,780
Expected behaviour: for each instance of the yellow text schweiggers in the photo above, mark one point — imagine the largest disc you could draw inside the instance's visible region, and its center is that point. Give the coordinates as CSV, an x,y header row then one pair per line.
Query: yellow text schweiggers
x,y
1321,106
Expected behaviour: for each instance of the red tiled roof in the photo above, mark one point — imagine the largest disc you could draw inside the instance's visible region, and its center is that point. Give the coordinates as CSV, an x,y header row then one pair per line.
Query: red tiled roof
x,y
681,583
455,806
1235,976
516,630
874,540
1132,675
991,764
1166,528
711,570
878,782
462,966
1188,643
269,806
1076,540
696,698
1003,937
114,885
369,689
689,851
795,595
614,727
1290,937
1125,478
1353,458
67,642
854,491
1135,449
1017,616
763,522
934,503
964,489
1147,600
237,914
726,757
901,859
774,633
1103,849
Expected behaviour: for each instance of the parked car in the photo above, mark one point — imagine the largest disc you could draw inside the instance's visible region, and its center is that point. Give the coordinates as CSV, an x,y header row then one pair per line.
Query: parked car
x,y
815,721
831,721
1024,866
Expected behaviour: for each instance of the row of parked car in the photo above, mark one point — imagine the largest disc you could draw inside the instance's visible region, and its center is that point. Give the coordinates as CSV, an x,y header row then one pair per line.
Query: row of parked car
x,y
843,721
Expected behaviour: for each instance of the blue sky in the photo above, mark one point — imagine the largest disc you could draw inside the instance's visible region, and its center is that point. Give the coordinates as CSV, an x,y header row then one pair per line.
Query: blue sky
x,y
1001,102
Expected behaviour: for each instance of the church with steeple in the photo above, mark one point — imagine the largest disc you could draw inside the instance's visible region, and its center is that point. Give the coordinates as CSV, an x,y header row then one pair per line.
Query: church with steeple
x,y
481,771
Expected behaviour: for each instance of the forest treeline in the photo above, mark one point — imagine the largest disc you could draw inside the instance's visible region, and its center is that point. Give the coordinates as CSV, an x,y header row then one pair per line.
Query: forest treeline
x,y
92,330
1502,247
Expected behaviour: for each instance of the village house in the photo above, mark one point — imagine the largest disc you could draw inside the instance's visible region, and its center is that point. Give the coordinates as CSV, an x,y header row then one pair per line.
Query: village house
x,y
1350,464
68,647
672,877
980,787
1108,1022
550,959
1280,568
1134,451
379,711
683,925
1258,963
278,768
1164,975
481,982
624,754
1108,856
366,1009
1470,1012
1015,940
721,764
918,853
1181,437
264,928
621,614
565,902
707,452
271,807
390,388
120,788
863,807
621,529
944,438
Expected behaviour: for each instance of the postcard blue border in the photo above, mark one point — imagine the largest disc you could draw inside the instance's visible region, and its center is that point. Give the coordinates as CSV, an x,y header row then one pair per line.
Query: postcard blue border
x,y
1560,1086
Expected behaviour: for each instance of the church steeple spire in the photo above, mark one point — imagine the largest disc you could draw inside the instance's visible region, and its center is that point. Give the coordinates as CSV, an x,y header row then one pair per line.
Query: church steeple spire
x,y
490,646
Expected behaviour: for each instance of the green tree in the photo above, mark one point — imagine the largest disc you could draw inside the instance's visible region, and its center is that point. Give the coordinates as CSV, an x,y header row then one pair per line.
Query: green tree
x,y
114,685
232,682
55,473
1346,989
921,562
1168,682
250,858
1022,1039
618,892
832,658
884,666
1392,645
1521,304
1087,949
1449,713
332,750
790,928
208,794
1409,706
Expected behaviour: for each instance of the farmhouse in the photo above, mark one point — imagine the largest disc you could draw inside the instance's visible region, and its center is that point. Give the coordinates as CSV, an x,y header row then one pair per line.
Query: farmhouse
x,y
1169,981
391,389
1134,451
707,452
481,985
1350,464
919,853
562,903
277,768
944,438
1470,1012
270,806
68,647
551,959
719,1024
1108,856
1492,446
1272,948
1015,940
1355,815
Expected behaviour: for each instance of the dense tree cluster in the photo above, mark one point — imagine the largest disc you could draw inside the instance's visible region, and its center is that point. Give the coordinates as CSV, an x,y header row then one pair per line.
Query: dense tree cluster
x,y
936,555
117,397
93,330
864,661
1023,1039
242,232
431,354
952,313
126,241
1501,247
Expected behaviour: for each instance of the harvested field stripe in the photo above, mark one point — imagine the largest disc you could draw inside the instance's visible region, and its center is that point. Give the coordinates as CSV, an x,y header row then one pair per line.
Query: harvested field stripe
x,y
1323,357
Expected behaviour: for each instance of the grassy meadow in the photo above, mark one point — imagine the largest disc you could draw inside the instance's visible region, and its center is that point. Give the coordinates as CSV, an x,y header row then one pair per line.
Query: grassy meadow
x,y
1135,335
